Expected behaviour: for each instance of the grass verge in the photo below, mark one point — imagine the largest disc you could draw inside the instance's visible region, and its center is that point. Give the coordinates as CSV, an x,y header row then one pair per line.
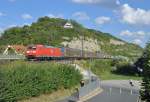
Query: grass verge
x,y
112,76
53,97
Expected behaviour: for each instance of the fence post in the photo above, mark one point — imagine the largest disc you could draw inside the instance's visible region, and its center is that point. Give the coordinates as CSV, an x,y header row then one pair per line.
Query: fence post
x,y
131,92
110,90
120,91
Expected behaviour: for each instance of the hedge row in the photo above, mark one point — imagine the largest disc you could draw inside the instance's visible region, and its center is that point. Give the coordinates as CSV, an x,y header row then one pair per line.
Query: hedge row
x,y
21,80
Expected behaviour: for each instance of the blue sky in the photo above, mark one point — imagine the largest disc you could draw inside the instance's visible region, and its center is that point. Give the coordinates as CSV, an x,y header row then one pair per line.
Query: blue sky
x,y
125,19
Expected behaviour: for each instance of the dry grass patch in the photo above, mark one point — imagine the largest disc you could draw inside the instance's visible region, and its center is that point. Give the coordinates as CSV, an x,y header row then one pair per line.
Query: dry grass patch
x,y
55,96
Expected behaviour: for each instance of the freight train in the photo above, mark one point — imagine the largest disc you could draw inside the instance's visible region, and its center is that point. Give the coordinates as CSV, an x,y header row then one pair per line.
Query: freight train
x,y
43,52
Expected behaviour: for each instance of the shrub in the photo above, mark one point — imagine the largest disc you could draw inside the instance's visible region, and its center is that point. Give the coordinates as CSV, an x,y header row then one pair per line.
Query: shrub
x,y
100,67
20,80
125,69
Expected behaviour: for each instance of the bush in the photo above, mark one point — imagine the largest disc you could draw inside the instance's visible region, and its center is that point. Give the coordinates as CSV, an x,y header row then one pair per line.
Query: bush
x,y
99,67
102,66
20,80
125,69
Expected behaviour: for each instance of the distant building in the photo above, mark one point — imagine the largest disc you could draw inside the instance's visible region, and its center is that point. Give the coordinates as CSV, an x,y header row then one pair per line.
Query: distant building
x,y
68,25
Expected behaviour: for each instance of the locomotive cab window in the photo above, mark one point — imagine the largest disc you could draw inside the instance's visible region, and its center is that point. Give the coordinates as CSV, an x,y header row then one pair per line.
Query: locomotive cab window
x,y
32,48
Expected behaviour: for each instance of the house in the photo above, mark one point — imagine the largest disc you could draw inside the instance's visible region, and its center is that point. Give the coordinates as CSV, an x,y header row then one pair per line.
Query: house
x,y
68,25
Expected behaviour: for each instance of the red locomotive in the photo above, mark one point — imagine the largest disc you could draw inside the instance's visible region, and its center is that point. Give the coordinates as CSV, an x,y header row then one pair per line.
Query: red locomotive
x,y
43,52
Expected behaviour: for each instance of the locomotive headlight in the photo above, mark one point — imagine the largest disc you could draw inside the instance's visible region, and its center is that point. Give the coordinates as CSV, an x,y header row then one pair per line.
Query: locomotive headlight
x,y
34,51
28,51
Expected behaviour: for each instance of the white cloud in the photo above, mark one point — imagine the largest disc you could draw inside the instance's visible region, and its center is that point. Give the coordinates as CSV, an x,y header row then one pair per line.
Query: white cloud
x,y
106,3
126,33
137,41
28,24
139,34
26,16
1,30
118,2
55,16
135,16
10,26
81,16
102,20
51,16
2,14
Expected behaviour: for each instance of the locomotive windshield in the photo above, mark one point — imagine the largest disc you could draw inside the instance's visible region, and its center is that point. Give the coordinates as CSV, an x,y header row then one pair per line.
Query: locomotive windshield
x,y
32,48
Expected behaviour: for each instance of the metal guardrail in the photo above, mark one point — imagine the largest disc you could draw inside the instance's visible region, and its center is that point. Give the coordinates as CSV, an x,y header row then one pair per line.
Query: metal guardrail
x,y
121,90
11,57
132,94
90,87
85,90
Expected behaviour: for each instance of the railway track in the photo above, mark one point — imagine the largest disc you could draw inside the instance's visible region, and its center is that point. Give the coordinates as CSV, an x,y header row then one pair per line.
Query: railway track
x,y
22,57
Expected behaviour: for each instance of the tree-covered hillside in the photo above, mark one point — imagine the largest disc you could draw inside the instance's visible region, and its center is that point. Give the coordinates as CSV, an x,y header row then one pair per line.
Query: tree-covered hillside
x,y
50,31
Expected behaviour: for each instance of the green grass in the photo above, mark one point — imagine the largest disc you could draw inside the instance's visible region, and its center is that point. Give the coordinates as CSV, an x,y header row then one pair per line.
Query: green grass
x,y
112,76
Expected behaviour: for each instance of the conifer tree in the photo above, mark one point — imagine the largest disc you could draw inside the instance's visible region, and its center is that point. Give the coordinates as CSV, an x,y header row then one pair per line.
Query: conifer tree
x,y
145,90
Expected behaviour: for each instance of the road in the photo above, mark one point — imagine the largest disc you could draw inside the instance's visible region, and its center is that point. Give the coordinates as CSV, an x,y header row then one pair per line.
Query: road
x,y
116,91
114,96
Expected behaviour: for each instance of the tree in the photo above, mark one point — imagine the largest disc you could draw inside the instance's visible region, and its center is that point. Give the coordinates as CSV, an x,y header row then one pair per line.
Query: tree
x,y
145,91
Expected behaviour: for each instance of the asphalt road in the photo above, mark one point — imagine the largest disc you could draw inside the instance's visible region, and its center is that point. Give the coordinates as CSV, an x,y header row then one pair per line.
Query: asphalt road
x,y
115,95
116,91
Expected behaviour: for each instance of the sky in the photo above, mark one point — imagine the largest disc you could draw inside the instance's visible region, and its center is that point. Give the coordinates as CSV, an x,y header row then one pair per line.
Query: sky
x,y
125,19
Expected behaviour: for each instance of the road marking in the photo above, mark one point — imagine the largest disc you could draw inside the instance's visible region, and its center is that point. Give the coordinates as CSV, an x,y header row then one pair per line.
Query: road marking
x,y
90,95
